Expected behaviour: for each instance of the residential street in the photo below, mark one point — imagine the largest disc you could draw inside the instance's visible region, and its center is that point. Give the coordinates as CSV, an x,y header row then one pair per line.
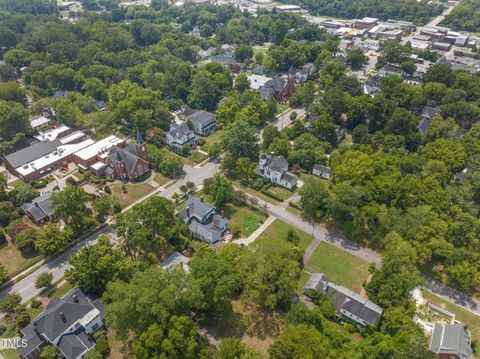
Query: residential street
x,y
26,286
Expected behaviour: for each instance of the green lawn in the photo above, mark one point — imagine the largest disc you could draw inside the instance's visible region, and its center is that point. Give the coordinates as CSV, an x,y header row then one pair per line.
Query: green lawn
x,y
161,179
187,161
246,218
277,232
213,138
15,183
466,317
254,192
339,266
13,259
10,354
281,192
134,192
197,157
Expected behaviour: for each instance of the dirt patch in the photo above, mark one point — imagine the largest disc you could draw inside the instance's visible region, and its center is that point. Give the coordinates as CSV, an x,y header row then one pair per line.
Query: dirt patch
x,y
363,291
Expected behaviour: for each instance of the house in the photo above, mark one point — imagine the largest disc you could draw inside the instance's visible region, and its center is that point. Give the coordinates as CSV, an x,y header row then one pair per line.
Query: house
x,y
451,341
257,81
322,171
427,114
204,123
278,87
176,260
459,177
275,169
67,323
100,105
204,222
60,94
180,135
38,210
346,302
372,85
389,70
303,73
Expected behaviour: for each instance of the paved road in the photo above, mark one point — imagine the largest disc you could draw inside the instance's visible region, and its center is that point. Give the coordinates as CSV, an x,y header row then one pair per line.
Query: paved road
x,y
438,19
283,120
58,266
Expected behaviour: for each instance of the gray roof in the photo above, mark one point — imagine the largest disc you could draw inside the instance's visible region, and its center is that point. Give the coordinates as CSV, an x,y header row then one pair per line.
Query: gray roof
x,y
140,140
451,339
73,345
187,110
430,112
321,168
128,155
345,299
202,220
179,130
274,86
277,163
289,177
200,117
423,126
51,325
39,208
30,153
176,259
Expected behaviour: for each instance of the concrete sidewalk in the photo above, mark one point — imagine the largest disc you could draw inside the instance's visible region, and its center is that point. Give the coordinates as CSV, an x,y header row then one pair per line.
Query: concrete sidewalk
x,y
257,233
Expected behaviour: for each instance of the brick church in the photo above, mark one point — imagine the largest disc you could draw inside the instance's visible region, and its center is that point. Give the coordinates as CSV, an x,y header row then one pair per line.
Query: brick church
x,y
128,163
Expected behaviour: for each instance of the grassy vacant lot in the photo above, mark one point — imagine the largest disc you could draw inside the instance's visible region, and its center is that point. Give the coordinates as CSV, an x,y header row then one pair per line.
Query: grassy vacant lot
x,y
246,218
134,192
277,232
466,317
340,267
197,157
213,138
13,259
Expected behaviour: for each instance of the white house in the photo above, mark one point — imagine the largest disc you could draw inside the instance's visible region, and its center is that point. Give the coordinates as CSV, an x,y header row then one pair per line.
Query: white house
x,y
275,169
322,171
180,135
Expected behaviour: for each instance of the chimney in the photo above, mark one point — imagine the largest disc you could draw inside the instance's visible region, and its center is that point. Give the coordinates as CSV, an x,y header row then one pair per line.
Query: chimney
x,y
223,213
75,298
35,323
201,199
62,315
188,211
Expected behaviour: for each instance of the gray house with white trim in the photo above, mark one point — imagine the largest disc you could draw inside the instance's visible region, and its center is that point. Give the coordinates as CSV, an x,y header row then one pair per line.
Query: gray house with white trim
x,y
451,341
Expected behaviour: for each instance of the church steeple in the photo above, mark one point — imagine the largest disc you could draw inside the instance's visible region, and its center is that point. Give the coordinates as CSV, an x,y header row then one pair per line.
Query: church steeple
x,y
140,140
140,147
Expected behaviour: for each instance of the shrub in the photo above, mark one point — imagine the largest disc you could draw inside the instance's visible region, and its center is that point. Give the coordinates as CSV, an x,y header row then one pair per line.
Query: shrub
x,y
3,329
3,238
25,240
22,320
349,327
12,226
235,230
35,303
201,141
107,189
102,343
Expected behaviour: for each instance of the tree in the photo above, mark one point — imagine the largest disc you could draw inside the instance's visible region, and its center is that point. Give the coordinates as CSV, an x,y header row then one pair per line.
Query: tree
x,y
220,188
243,53
245,168
49,352
70,205
51,239
151,296
22,193
241,140
93,267
324,128
103,207
233,348
270,274
3,273
178,339
270,132
9,303
204,92
408,67
300,341
300,314
314,197
242,83
393,283
441,73
356,59
144,228
218,282
11,91
44,280
13,119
